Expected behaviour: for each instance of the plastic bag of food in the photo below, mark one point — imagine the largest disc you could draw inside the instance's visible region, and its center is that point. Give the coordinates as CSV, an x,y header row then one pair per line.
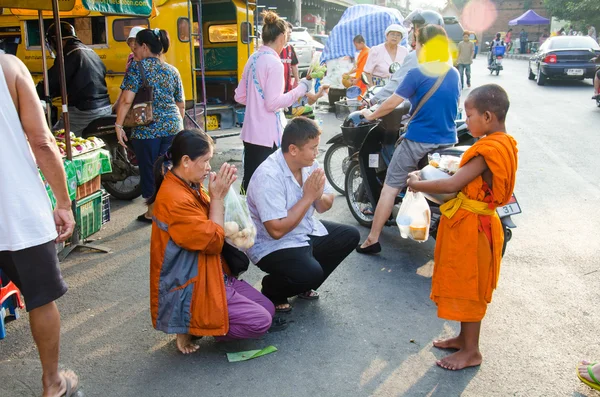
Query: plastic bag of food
x,y
414,217
239,228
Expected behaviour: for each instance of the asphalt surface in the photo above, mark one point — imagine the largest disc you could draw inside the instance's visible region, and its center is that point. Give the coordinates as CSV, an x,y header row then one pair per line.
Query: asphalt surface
x,y
370,333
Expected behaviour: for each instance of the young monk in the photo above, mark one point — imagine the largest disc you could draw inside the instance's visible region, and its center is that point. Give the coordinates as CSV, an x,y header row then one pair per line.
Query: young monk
x,y
470,235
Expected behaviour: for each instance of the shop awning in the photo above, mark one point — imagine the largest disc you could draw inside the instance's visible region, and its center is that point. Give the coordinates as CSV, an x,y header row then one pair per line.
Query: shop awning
x,y
70,8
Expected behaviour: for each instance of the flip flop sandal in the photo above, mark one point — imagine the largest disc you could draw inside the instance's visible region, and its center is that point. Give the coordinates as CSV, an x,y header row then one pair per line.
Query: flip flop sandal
x,y
278,324
309,295
70,391
595,384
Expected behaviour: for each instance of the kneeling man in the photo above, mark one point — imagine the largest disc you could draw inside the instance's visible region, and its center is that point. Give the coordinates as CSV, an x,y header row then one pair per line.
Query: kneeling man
x,y
297,251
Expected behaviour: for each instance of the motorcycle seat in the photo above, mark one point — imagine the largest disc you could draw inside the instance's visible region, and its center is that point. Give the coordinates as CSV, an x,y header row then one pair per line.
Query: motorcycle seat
x,y
100,124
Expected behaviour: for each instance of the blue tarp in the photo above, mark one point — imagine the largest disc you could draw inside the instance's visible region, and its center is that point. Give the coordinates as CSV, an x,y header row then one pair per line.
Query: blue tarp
x,y
368,20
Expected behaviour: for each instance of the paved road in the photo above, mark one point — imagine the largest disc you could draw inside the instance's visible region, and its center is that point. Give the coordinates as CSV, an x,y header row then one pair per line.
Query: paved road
x,y
371,332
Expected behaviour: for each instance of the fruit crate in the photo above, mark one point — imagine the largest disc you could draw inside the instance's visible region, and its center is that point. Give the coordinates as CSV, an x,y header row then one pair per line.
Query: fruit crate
x,y
88,187
105,207
89,214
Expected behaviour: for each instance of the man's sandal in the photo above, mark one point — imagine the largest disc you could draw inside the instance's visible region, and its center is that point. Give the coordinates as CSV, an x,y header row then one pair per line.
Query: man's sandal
x,y
595,384
309,295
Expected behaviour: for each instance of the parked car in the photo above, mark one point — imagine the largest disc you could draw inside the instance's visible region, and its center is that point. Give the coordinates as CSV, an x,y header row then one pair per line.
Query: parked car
x,y
305,48
473,39
321,38
564,57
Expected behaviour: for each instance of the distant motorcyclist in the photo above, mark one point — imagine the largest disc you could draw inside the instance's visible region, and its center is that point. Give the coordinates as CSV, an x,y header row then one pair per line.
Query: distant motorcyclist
x,y
414,21
85,74
497,42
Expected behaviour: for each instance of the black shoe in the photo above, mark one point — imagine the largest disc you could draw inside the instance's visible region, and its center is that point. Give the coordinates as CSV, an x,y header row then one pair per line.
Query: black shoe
x,y
142,218
371,249
278,324
596,96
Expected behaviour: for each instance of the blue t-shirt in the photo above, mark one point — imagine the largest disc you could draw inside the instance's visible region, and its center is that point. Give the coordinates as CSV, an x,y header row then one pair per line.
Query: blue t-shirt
x,y
434,123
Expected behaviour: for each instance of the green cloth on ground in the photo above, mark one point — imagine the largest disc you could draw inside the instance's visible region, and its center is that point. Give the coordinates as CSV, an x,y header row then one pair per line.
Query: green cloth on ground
x,y
250,354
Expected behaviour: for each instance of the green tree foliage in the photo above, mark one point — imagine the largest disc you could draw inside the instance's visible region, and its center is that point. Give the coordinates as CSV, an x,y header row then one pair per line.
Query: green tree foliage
x,y
584,11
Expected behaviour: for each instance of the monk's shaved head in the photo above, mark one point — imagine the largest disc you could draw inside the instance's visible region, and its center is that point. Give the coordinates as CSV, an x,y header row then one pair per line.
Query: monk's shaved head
x,y
490,98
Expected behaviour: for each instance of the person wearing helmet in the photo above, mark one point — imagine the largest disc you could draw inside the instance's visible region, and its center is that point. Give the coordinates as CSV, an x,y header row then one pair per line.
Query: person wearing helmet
x,y
434,89
497,42
414,21
131,43
383,55
85,74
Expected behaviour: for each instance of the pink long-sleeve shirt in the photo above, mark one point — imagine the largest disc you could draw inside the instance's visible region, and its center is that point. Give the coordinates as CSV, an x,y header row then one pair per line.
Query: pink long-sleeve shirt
x,y
261,125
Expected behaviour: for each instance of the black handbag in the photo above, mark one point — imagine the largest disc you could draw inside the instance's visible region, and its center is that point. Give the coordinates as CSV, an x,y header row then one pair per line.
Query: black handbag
x,y
237,261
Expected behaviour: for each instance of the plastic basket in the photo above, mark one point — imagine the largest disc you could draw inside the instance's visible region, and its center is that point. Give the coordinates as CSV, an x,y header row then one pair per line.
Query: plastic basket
x,y
89,214
88,187
105,207
240,113
343,108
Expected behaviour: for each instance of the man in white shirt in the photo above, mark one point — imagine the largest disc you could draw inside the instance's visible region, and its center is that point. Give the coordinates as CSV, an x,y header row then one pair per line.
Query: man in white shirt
x,y
28,226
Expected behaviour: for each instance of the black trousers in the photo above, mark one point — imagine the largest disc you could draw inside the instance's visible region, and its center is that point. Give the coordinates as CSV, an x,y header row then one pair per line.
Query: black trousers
x,y
254,155
292,271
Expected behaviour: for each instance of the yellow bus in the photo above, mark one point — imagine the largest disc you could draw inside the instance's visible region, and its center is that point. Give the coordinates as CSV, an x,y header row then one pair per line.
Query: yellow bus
x,y
226,44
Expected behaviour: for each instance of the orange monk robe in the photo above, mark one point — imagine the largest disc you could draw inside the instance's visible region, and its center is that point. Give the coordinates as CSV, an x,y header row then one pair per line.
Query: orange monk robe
x,y
361,61
469,245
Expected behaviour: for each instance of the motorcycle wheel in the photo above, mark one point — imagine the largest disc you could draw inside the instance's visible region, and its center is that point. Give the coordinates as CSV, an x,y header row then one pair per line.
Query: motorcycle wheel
x,y
497,72
357,197
334,166
598,102
131,187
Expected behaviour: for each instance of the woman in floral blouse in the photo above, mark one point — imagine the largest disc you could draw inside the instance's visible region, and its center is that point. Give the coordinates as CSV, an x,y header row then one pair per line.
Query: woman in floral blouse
x,y
151,141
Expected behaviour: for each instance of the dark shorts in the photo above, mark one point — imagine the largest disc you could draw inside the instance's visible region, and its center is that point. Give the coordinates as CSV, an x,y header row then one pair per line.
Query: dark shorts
x,y
35,271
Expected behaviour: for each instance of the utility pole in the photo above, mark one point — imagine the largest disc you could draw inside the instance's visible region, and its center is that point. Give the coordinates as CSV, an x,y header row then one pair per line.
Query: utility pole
x,y
299,12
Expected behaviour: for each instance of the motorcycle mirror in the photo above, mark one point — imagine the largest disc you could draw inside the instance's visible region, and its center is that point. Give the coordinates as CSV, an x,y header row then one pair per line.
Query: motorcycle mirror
x,y
363,78
487,43
394,67
353,92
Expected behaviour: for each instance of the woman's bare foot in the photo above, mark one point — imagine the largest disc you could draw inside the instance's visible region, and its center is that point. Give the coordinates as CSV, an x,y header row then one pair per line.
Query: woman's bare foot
x,y
368,242
185,345
69,382
284,307
583,371
455,343
461,359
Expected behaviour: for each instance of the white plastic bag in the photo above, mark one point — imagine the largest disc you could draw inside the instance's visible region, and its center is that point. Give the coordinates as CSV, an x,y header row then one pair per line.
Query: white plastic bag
x,y
414,217
239,228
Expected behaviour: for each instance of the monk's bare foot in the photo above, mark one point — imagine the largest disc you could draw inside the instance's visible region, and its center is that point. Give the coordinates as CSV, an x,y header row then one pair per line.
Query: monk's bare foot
x,y
185,345
455,343
583,371
461,359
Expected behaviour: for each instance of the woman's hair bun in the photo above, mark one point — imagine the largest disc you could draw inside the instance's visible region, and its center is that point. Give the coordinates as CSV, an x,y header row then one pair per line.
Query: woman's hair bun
x,y
270,17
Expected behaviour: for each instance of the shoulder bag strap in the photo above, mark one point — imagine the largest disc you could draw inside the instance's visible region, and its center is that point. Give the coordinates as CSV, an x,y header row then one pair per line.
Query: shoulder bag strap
x,y
429,94
143,74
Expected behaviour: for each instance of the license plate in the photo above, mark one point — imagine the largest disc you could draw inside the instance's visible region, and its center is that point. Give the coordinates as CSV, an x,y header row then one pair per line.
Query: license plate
x,y
212,122
512,208
373,160
575,72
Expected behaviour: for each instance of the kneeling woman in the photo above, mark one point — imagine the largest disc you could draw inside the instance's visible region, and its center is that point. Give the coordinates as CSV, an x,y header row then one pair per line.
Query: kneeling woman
x,y
192,291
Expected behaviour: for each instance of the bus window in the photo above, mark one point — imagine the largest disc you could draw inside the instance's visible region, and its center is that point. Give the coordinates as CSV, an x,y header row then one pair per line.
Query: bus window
x,y
10,37
223,33
90,30
122,27
183,29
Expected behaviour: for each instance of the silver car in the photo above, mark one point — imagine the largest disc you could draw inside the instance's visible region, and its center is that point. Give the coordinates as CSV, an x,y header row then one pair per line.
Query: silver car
x,y
305,47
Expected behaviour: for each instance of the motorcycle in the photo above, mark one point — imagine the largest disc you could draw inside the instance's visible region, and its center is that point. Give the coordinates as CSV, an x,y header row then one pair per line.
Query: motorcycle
x,y
497,54
123,182
367,170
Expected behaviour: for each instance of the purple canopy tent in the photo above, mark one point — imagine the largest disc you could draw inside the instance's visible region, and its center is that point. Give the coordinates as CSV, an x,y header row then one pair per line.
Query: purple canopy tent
x,y
530,17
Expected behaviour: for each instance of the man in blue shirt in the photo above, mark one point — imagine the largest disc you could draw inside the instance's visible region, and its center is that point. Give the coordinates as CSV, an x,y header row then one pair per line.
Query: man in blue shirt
x,y
431,128
297,250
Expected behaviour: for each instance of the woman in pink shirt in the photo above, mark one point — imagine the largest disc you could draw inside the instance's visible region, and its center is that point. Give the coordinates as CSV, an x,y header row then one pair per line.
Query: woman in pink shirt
x,y
383,55
261,90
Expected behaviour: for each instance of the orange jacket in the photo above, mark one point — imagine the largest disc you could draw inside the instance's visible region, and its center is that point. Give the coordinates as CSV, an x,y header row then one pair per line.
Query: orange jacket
x,y
187,291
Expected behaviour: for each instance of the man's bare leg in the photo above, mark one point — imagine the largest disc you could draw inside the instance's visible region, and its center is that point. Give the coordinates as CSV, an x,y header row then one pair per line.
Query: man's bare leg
x,y
45,328
467,342
185,345
382,214
596,86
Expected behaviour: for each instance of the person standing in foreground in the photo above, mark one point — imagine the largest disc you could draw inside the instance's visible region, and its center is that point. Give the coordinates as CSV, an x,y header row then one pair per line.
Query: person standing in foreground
x,y
28,229
466,51
261,90
470,236
297,251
